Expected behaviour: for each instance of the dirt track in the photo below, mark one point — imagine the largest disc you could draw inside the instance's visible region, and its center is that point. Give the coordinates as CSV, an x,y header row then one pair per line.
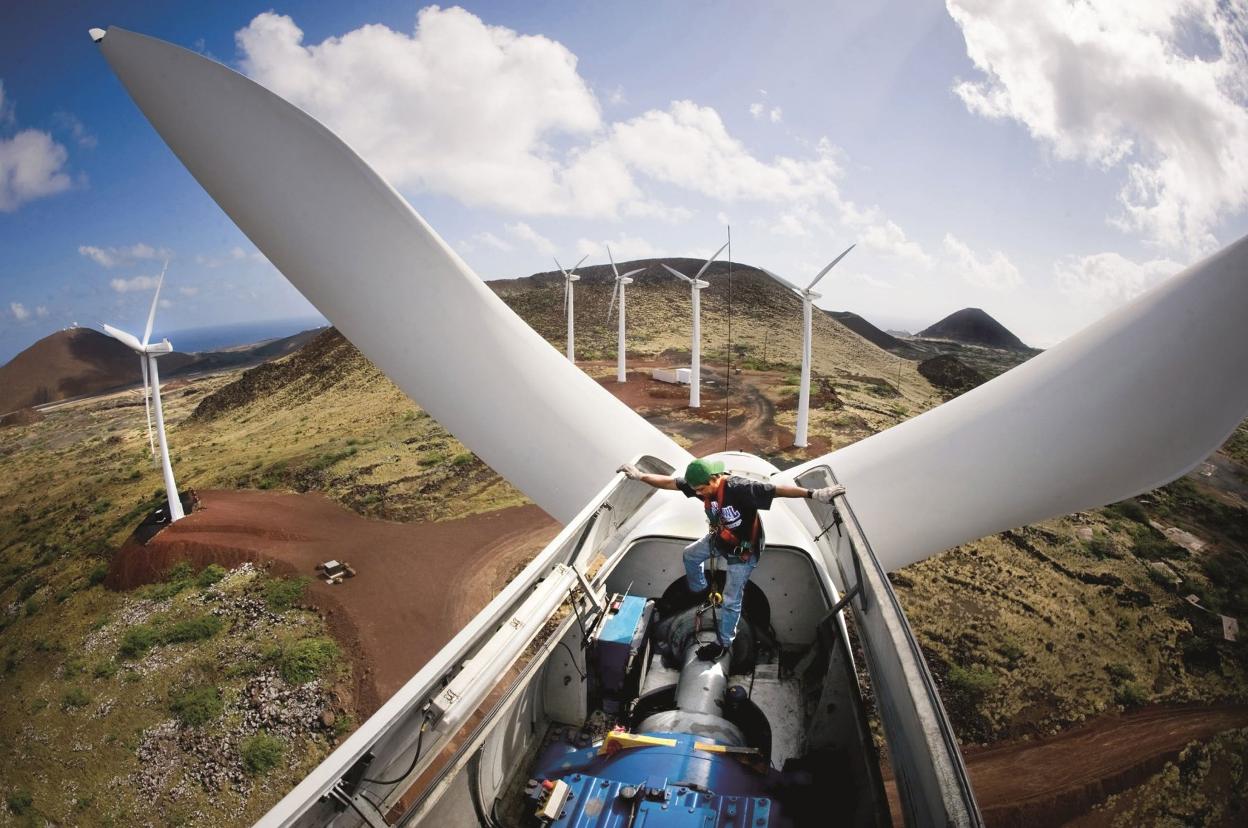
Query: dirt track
x,y
417,583
1050,781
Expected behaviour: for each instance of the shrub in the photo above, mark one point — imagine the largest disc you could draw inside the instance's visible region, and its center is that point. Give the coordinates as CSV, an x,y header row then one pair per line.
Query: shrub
x,y
138,640
261,753
1131,510
192,629
72,667
210,574
306,659
197,705
282,593
1119,672
32,606
1130,695
1102,547
105,669
19,801
462,459
29,587
974,681
75,697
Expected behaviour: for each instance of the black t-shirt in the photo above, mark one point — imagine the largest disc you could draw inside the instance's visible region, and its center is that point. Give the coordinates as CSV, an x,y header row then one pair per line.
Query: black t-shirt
x,y
742,500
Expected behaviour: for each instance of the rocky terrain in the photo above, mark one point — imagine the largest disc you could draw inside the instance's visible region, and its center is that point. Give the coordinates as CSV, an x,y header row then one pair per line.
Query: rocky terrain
x,y
972,326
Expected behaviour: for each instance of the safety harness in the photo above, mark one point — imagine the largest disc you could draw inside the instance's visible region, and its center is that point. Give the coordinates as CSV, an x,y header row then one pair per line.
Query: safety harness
x,y
742,548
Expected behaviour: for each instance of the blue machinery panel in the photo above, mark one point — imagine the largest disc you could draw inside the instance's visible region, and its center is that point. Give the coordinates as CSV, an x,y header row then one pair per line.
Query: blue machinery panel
x,y
681,785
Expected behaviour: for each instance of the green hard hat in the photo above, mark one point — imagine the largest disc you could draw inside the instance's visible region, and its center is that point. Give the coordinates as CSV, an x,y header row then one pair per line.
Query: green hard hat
x,y
700,472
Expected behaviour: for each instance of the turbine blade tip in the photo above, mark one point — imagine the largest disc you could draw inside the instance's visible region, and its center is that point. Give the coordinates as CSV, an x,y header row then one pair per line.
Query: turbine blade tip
x,y
96,35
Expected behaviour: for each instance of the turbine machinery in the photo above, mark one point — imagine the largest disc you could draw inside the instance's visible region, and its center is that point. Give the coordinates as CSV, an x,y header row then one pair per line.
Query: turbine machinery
x,y
696,285
569,276
621,281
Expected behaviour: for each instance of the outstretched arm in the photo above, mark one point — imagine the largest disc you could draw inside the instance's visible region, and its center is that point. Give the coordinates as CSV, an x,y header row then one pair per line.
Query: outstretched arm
x,y
658,481
823,495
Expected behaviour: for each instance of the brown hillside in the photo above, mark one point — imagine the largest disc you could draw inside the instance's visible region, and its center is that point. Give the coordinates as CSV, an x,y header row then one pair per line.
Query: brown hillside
x,y
71,363
973,326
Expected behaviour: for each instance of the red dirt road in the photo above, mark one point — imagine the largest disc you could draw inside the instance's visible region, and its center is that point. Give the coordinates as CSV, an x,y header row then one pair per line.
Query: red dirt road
x,y
1051,781
417,583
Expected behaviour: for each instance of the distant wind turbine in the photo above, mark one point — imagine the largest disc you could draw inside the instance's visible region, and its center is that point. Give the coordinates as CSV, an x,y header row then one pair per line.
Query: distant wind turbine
x,y
695,351
808,297
151,391
569,276
620,283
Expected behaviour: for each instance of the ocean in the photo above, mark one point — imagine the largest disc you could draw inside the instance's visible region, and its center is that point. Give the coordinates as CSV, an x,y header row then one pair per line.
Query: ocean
x,y
216,337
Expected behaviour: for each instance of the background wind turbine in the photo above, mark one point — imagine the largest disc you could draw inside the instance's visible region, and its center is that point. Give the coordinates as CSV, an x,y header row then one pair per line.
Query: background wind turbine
x,y
151,389
620,282
569,276
808,297
695,351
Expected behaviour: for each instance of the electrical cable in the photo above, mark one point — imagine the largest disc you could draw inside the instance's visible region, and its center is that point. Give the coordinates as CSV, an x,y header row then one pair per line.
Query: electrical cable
x,y
572,656
363,816
728,378
420,738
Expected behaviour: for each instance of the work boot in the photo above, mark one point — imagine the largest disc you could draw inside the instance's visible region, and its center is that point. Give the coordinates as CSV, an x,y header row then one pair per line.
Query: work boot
x,y
711,652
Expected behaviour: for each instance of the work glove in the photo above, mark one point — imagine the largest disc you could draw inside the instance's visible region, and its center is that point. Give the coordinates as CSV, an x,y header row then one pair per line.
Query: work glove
x,y
630,471
826,494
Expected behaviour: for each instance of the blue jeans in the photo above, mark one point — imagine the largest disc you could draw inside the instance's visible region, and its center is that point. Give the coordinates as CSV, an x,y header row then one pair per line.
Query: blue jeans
x,y
695,556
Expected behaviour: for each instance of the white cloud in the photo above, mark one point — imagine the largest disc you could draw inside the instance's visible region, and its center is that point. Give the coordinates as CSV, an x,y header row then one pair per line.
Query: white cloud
x,y
76,129
623,248
165,303
775,114
756,110
32,166
111,257
658,210
884,236
41,312
134,283
234,255
527,234
870,281
457,107
19,311
189,291
995,272
1106,280
490,240
1117,85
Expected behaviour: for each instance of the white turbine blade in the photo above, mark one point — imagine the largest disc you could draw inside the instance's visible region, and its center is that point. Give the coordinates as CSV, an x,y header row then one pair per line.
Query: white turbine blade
x,y
615,291
612,258
831,265
151,314
708,261
127,339
359,252
632,273
578,264
675,272
1127,404
561,270
783,281
147,404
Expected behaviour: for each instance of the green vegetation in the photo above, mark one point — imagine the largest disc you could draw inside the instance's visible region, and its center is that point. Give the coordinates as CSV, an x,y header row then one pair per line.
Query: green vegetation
x,y
209,575
261,753
192,629
74,697
974,681
307,659
197,705
1131,694
20,801
138,640
283,593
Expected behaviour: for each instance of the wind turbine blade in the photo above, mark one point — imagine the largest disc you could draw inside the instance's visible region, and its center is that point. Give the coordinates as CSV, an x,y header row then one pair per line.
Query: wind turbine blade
x,y
147,403
128,339
783,281
578,264
612,258
1127,404
708,261
831,265
313,207
151,314
632,272
615,291
561,270
675,272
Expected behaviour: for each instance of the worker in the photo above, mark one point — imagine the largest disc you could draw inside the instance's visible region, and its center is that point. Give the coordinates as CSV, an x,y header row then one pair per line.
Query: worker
x,y
736,532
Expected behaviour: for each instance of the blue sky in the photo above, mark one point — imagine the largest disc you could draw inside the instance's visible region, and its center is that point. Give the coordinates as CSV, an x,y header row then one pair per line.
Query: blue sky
x,y
1046,162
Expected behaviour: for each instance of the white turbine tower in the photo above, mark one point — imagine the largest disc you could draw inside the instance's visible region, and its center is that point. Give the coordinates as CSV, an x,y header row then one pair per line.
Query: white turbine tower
x,y
620,283
569,276
695,351
808,297
151,390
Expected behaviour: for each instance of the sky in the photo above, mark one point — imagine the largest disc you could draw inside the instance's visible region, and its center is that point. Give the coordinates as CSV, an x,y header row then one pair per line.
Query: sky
x,y
1043,160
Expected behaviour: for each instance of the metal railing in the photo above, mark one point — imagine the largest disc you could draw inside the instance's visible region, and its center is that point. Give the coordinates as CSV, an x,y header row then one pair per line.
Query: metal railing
x,y
931,777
